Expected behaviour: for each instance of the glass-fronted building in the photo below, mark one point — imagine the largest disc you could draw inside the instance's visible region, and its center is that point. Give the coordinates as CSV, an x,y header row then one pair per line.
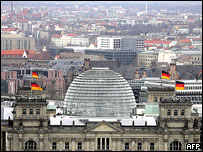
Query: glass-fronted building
x,y
125,57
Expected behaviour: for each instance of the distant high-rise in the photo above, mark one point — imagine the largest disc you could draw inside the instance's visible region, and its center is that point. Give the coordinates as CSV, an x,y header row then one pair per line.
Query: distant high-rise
x,y
146,8
11,7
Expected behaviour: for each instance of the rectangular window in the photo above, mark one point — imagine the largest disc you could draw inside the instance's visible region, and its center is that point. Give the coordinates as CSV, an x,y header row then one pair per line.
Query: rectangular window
x,y
38,111
54,145
79,146
126,146
139,146
151,146
98,143
175,112
31,111
107,143
103,143
66,145
168,112
182,112
24,112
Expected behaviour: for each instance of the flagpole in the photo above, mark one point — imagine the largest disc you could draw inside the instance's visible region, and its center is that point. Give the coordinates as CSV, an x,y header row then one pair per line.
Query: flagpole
x,y
31,86
161,78
175,86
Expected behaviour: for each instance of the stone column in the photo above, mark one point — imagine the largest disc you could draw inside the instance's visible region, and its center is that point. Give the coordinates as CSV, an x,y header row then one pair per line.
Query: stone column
x,y
116,144
86,146
133,145
93,142
60,146
41,144
110,144
8,146
120,145
165,145
113,144
73,145
21,146
145,146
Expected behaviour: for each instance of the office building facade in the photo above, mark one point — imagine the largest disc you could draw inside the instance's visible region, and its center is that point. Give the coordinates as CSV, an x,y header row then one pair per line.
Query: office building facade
x,y
24,43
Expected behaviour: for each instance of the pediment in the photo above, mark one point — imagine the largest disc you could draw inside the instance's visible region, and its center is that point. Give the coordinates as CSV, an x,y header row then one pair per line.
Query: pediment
x,y
103,127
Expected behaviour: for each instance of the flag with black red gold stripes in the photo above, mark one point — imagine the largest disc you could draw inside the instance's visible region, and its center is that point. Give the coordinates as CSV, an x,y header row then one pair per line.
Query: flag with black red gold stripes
x,y
165,75
35,86
35,75
180,85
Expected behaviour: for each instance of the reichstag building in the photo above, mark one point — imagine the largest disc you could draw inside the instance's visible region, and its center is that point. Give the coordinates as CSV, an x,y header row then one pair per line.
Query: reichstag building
x,y
99,115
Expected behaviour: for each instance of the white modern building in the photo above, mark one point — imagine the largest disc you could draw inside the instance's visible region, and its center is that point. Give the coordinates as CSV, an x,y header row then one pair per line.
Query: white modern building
x,y
166,56
109,42
65,40
125,43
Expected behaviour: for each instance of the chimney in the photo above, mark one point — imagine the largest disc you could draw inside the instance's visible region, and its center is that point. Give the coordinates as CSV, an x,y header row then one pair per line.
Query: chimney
x,y
145,123
137,75
172,70
86,65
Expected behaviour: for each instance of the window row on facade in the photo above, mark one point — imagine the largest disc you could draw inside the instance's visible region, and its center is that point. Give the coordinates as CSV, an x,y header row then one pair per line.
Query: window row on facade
x,y
193,88
102,144
31,111
176,112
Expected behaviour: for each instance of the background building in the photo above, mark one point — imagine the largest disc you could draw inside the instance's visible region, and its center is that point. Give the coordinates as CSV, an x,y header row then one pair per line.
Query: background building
x,y
123,43
109,42
144,59
125,57
26,43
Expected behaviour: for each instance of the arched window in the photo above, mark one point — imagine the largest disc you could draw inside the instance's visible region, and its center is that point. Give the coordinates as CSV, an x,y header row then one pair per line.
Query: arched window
x,y
30,145
175,145
168,112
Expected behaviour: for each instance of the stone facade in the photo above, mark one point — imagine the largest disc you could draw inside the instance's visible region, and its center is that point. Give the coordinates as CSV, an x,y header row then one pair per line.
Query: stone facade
x,y
154,94
31,130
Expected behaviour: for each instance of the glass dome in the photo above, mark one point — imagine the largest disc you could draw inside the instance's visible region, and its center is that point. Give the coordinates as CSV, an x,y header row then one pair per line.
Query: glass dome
x,y
99,92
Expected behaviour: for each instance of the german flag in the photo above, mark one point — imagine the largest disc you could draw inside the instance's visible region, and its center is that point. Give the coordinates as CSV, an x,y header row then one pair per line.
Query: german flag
x,y
180,85
35,86
35,75
165,75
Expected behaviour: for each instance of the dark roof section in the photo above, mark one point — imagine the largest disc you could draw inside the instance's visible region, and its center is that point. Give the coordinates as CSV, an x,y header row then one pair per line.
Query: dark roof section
x,y
111,64
189,71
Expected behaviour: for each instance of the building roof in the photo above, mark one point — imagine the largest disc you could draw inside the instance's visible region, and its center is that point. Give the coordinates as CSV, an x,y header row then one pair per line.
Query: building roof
x,y
12,52
78,121
157,42
152,109
9,29
57,36
71,34
22,20
185,41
